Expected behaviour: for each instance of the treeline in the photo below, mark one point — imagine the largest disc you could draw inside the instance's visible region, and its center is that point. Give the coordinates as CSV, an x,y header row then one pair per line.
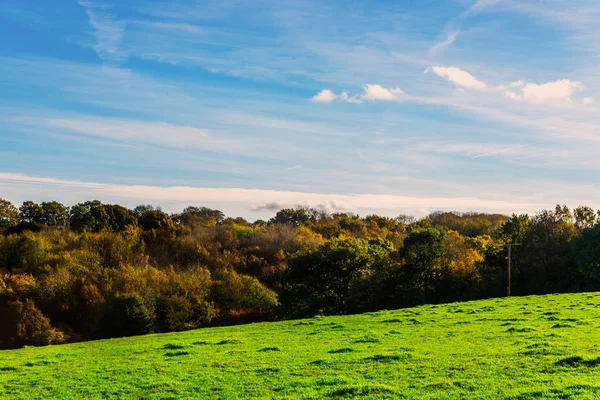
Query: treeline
x,y
97,270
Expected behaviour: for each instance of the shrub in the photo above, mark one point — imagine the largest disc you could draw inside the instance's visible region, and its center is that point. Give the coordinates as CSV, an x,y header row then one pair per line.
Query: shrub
x,y
23,324
126,316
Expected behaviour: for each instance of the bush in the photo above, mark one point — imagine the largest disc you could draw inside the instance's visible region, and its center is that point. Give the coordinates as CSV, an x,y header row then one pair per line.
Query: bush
x,y
126,316
23,324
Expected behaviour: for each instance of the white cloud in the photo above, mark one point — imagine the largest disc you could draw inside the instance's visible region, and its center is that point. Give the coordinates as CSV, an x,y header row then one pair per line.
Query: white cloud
x,y
371,92
588,100
108,32
560,90
18,187
440,46
145,132
511,95
350,99
376,92
325,96
458,77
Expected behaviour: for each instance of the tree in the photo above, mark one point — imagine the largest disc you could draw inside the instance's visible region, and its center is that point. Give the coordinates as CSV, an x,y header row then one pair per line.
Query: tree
x,y
544,262
24,324
142,208
586,249
155,219
119,218
203,215
421,265
89,216
290,216
54,214
9,214
31,212
328,274
126,316
513,230
585,217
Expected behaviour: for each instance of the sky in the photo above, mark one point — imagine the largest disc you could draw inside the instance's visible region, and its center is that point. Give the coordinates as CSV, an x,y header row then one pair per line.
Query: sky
x,y
364,106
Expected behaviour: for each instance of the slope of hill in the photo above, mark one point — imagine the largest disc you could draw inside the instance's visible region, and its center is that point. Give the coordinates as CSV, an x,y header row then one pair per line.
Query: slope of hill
x,y
528,347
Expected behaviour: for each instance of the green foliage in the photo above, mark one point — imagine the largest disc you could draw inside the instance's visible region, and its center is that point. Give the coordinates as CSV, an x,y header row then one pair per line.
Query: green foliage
x,y
199,268
9,214
235,292
290,216
468,224
127,315
326,277
200,215
88,216
26,252
155,220
31,212
587,256
54,214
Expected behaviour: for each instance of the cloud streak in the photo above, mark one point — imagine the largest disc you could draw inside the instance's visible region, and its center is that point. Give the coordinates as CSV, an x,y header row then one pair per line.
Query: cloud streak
x,y
172,197
442,45
108,31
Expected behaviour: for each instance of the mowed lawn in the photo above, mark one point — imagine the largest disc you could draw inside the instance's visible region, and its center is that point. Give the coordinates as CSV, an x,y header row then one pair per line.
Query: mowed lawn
x,y
517,348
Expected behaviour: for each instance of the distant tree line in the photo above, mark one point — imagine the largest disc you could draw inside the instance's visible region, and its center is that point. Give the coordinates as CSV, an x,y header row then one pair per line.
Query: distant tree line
x,y
98,270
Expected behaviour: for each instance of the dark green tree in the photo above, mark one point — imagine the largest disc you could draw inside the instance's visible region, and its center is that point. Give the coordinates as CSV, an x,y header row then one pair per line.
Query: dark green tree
x,y
155,219
54,214
325,278
31,213
290,216
119,217
126,316
586,249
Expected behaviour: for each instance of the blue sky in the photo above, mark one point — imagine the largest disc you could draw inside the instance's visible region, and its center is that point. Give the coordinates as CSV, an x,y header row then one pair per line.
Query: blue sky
x,y
365,106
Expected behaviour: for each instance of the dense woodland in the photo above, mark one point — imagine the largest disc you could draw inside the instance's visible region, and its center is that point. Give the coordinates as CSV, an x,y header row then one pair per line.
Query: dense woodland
x,y
97,270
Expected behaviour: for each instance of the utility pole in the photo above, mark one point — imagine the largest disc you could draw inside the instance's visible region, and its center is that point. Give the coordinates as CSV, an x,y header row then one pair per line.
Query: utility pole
x,y
510,245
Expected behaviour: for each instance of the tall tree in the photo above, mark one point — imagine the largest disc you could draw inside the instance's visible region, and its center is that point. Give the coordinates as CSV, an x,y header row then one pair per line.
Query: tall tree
x,y
9,214
31,212
54,214
290,216
586,250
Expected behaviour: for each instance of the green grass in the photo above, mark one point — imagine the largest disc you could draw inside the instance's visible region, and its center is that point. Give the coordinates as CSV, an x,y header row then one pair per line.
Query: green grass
x,y
517,348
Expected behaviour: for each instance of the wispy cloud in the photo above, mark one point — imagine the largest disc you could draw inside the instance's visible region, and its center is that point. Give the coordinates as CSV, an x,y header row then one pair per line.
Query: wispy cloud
x,y
491,153
174,197
442,45
146,132
479,6
108,31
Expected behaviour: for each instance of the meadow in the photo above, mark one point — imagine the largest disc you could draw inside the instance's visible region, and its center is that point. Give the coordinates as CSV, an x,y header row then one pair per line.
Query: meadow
x,y
514,348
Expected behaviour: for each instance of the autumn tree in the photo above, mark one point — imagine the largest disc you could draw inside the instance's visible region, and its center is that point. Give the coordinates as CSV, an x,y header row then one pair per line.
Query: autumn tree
x,y
9,214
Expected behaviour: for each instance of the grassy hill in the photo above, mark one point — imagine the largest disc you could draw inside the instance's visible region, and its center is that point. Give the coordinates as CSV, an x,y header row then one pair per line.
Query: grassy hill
x,y
528,347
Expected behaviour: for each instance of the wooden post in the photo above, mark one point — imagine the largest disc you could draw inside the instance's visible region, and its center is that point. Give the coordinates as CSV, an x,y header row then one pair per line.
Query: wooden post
x,y
508,277
510,245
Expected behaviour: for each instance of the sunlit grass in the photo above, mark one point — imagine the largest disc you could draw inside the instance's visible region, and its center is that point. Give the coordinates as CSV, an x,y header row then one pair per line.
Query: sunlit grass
x,y
517,348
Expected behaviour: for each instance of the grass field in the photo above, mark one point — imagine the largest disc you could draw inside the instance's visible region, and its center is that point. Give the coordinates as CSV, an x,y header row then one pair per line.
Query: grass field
x,y
517,348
